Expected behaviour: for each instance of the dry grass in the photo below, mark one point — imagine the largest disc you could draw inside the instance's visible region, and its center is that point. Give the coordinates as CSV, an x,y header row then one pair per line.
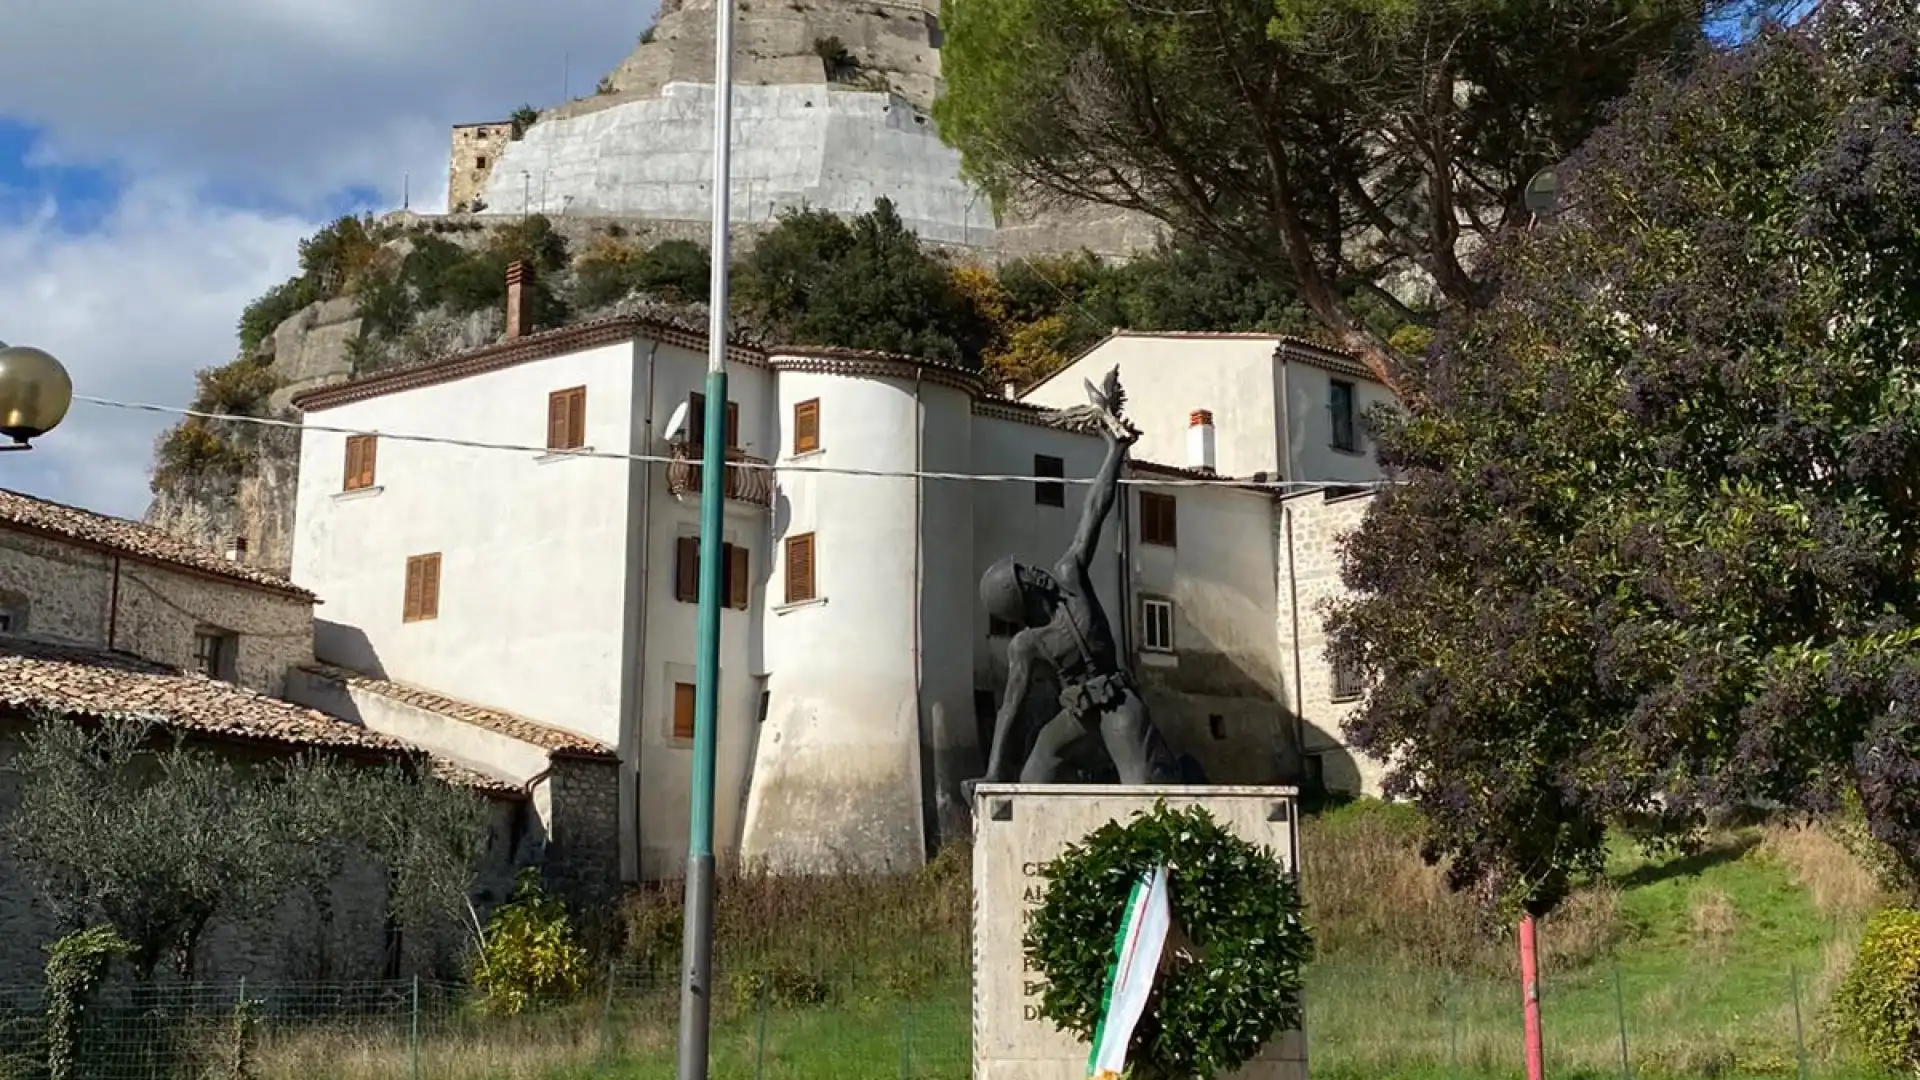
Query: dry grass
x,y
1712,917
1842,887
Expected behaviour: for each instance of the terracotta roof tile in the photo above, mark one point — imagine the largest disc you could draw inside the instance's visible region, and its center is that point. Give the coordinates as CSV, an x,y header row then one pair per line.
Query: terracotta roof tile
x,y
133,540
532,732
1182,473
75,680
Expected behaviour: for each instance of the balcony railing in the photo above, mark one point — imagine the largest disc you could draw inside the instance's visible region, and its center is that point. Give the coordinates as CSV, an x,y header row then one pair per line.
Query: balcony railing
x,y
747,485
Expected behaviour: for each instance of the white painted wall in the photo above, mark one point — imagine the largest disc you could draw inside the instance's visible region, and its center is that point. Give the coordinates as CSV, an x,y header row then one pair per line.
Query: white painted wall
x,y
1166,378
532,548
1311,428
795,147
837,775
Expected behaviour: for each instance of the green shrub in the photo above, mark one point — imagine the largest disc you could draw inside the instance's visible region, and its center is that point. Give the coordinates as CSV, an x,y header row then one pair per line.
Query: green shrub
x,y
1877,1008
76,965
264,315
529,954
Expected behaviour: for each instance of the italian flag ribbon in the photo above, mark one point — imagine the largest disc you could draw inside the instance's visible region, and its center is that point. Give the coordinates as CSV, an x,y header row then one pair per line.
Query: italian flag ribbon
x,y
1136,960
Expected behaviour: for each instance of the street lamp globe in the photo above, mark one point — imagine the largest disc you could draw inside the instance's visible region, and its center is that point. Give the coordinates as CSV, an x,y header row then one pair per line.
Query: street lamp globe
x,y
35,393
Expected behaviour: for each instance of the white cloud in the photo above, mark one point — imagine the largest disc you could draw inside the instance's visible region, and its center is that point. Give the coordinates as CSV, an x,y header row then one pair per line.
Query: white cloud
x,y
290,98
133,309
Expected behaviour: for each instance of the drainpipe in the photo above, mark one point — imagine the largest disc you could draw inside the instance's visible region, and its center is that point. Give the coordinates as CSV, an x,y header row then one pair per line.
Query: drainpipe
x,y
113,606
931,772
1293,613
1286,419
636,675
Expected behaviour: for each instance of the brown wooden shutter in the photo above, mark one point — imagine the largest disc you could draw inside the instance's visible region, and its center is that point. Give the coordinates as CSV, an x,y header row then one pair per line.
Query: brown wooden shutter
x,y
733,425
430,587
683,705
739,584
410,606
1159,523
806,426
369,450
557,420
686,570
358,471
799,568
576,418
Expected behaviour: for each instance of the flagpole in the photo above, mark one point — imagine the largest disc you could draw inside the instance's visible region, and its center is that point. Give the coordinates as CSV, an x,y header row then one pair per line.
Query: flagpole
x,y
696,987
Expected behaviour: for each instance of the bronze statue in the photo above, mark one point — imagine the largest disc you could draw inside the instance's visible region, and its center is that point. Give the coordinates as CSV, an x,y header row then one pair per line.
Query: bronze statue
x,y
1064,627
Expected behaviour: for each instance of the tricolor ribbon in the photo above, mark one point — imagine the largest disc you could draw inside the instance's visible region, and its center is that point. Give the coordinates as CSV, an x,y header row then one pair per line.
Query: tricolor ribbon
x,y
1136,960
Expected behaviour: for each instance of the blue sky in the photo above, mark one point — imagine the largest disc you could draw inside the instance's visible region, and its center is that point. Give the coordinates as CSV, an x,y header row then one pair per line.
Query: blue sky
x,y
159,164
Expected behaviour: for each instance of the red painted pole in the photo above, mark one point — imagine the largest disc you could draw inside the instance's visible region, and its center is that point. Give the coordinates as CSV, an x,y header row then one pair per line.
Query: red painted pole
x,y
1530,998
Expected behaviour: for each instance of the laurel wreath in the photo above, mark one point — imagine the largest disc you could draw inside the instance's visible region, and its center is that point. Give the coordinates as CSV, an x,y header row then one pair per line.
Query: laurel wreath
x,y
1230,975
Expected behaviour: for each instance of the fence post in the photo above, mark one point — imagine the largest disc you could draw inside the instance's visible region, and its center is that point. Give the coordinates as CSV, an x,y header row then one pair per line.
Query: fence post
x,y
413,1031
1620,1016
1799,1033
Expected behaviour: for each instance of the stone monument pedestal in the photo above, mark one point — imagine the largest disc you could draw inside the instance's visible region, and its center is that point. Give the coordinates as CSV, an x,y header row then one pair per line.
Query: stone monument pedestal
x,y
1017,829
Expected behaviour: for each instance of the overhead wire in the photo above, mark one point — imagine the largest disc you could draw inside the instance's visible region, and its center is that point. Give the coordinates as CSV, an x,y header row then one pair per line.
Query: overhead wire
x,y
771,466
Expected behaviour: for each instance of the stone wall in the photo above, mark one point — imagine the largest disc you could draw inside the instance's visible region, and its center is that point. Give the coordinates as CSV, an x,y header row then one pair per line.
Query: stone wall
x,y
67,591
1309,576
582,859
476,149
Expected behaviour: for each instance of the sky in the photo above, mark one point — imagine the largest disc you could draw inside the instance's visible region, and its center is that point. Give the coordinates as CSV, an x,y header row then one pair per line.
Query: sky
x,y
160,162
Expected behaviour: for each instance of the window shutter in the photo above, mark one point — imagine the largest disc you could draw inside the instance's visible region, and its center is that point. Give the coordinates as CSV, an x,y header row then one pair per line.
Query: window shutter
x,y
799,568
686,570
683,699
350,473
430,588
577,418
806,426
369,450
410,607
557,420
733,425
738,583
697,418
1170,520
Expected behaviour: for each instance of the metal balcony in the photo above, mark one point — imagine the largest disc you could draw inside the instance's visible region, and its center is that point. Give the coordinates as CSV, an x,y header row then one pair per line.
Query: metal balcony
x,y
747,485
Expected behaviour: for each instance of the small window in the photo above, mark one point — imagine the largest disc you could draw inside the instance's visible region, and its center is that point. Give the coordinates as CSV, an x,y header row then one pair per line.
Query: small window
x,y
361,450
567,419
683,702
480,162
1340,407
998,627
1156,625
806,426
1217,726
800,567
10,621
1158,521
736,584
213,653
423,588
1347,683
697,421
1045,493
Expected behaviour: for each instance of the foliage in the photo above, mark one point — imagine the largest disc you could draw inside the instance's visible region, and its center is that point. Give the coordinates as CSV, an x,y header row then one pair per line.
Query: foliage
x,y
1327,146
841,64
264,315
479,281
1215,1005
335,257
122,826
199,448
76,965
1877,1007
523,118
676,271
1655,548
528,954
815,279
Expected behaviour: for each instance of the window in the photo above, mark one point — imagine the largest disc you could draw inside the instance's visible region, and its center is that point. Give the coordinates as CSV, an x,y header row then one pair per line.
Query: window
x,y
800,568
480,162
1157,519
1347,685
683,698
1156,625
358,474
1340,406
1217,725
567,419
998,627
213,653
736,583
10,621
423,588
806,426
697,421
1046,494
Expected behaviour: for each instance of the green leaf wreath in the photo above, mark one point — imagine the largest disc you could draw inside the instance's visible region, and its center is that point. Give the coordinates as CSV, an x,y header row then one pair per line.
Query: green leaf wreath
x,y
1231,978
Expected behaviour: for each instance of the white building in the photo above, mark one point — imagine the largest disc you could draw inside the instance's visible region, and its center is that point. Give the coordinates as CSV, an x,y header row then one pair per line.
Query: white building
x,y
858,671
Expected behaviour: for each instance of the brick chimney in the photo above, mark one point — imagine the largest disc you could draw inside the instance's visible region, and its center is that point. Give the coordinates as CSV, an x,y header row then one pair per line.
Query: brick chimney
x,y
519,299
1200,440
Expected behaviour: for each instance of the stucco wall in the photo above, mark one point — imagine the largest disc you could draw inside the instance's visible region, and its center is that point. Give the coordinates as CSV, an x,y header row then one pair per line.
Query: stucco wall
x,y
1167,378
67,591
1309,566
531,618
1311,426
1225,664
291,945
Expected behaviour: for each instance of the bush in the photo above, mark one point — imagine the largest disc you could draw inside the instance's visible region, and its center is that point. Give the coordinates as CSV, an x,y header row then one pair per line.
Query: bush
x,y
240,388
529,954
265,314
76,964
1877,1008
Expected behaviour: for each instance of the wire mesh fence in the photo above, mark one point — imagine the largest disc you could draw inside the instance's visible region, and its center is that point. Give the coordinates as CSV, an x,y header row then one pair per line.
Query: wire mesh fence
x,y
785,1022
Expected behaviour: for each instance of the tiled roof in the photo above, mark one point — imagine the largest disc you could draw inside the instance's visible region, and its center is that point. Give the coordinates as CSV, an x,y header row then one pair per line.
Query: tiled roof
x,y
131,539
531,732
78,681
1179,472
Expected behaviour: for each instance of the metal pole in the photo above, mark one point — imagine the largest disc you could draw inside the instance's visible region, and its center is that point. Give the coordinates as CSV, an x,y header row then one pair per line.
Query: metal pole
x,y
697,955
